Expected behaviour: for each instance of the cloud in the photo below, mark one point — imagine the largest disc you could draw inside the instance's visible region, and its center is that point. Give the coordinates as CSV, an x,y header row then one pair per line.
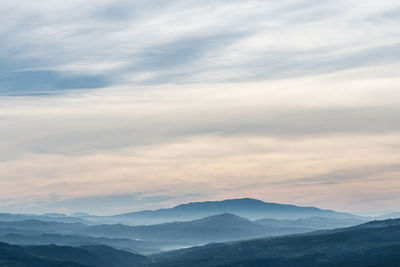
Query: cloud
x,y
134,43
185,98
45,82
241,166
118,117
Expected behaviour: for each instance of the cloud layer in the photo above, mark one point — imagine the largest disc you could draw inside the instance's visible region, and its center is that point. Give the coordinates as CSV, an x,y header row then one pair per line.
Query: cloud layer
x,y
151,103
120,42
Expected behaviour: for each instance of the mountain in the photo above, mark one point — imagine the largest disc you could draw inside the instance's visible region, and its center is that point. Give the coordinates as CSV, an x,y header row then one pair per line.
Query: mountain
x,y
44,226
217,228
35,232
50,217
246,207
377,224
60,256
134,246
144,239
98,256
252,209
222,227
393,215
312,223
375,243
18,256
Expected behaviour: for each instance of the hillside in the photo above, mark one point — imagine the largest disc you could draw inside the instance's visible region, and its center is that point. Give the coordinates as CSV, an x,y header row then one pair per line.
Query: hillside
x,y
377,242
312,223
63,256
11,217
126,244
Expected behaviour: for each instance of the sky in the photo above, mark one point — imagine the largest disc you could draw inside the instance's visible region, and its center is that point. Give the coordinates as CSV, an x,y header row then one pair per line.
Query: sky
x,y
113,106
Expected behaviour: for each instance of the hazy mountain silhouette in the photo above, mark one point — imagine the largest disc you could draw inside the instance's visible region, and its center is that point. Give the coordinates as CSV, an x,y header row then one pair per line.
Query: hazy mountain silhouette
x,y
375,243
393,215
312,223
141,247
45,226
144,239
223,227
182,232
50,217
246,207
267,241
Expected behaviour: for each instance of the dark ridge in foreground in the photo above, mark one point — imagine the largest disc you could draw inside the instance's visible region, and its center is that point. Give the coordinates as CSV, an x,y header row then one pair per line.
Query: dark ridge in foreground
x,y
373,244
62,256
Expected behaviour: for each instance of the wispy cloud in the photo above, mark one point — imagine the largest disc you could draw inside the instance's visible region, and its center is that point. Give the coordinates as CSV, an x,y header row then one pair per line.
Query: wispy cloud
x,y
102,100
262,167
132,42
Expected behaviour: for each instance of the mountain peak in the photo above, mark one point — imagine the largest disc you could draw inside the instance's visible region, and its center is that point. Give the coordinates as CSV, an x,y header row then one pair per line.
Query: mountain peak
x,y
234,201
224,217
248,208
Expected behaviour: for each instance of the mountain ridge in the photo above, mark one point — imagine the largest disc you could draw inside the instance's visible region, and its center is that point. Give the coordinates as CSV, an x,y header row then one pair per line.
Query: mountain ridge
x,y
236,201
375,243
244,207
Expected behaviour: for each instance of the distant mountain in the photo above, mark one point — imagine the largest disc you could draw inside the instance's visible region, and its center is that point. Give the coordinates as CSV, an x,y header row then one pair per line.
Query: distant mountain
x,y
50,217
393,215
312,223
375,243
44,226
214,221
9,230
247,208
58,256
377,224
134,246
144,239
217,228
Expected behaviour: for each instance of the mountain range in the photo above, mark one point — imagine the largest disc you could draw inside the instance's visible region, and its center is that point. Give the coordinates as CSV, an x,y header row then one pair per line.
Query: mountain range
x,y
376,243
144,239
235,232
246,207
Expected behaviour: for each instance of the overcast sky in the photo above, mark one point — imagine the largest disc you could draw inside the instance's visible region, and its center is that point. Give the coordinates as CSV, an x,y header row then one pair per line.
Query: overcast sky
x,y
113,106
